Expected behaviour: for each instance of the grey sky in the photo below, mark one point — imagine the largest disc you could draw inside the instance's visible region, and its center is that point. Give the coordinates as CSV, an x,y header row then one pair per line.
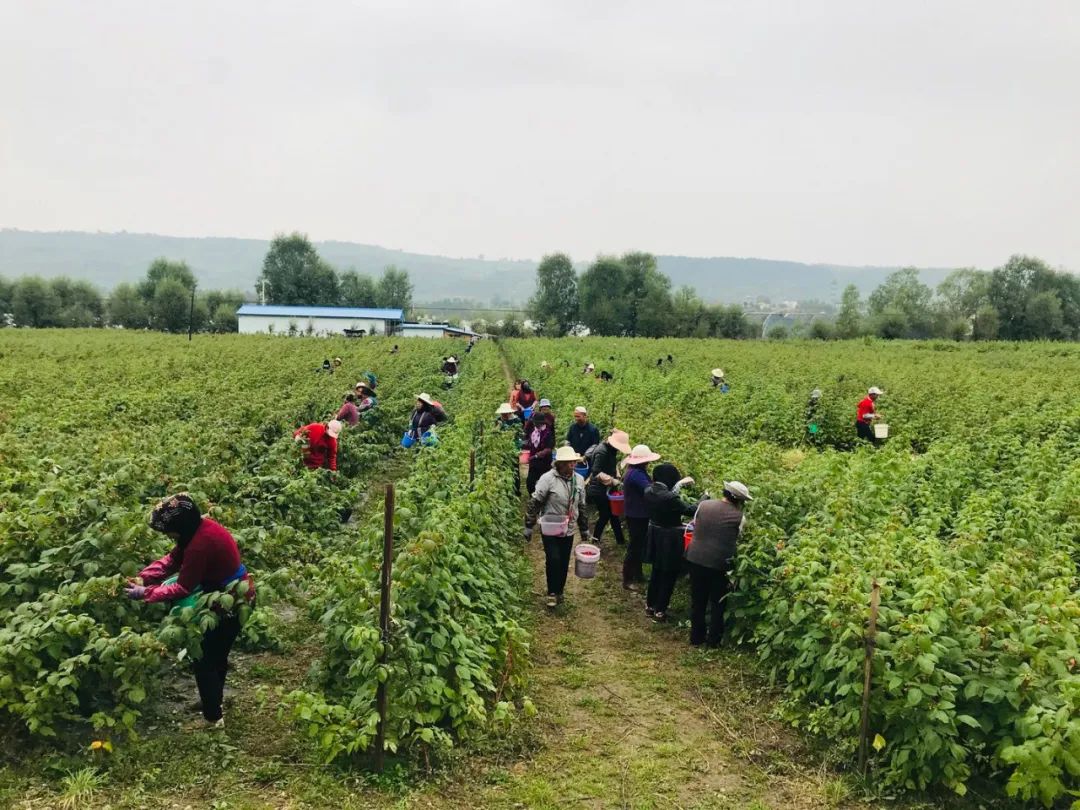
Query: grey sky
x,y
931,133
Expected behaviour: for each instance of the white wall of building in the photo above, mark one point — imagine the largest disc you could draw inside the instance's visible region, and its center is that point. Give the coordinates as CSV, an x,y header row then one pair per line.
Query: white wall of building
x,y
253,324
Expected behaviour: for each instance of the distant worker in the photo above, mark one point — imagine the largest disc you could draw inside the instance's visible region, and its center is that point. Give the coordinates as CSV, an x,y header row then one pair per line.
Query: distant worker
x,y
327,367
559,493
710,557
718,380
320,443
450,366
812,419
204,559
540,442
866,413
525,399
337,363
507,419
589,369
425,416
603,470
583,434
606,376
365,396
394,350
348,412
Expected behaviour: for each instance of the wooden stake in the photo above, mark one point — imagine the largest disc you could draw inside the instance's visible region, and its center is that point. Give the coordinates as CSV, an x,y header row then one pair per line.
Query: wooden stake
x,y
384,624
871,643
472,465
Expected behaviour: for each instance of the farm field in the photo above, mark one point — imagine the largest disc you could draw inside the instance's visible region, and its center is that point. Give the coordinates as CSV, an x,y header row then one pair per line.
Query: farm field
x,y
968,517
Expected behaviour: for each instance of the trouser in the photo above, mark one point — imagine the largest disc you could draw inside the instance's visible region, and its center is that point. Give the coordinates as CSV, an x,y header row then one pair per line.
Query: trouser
x,y
661,587
631,570
535,472
709,588
557,562
604,516
865,431
211,668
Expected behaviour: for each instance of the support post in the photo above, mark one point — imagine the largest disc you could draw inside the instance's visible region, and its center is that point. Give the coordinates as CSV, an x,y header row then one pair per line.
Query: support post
x,y
384,624
191,314
871,643
472,465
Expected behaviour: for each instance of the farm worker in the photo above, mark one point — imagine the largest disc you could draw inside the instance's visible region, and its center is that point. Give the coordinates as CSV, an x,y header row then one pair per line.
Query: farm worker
x,y
540,442
365,396
425,416
589,369
337,363
560,492
812,426
717,377
606,376
325,367
545,365
506,418
710,556
348,412
582,434
664,543
635,481
205,557
525,398
394,350
866,413
450,366
602,478
320,441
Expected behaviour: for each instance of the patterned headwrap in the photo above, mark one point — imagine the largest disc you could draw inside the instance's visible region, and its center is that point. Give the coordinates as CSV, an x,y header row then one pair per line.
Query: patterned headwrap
x,y
177,513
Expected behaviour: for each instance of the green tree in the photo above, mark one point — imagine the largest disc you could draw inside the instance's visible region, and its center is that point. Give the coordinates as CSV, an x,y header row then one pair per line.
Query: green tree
x,y
688,313
171,305
127,308
602,291
7,289
35,303
80,303
731,322
821,329
223,318
1045,320
358,290
903,292
962,292
394,290
986,323
294,275
554,305
162,269
849,320
648,297
892,323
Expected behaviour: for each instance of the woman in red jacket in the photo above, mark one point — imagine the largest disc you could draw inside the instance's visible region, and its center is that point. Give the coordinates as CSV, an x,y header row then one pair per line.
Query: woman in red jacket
x,y
205,558
321,444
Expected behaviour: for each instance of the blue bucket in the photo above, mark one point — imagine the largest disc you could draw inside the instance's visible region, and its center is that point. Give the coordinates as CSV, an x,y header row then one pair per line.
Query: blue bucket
x,y
582,470
527,413
407,440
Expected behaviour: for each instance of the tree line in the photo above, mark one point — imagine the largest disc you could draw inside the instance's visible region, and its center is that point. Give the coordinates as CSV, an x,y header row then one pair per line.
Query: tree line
x,y
1024,299
168,299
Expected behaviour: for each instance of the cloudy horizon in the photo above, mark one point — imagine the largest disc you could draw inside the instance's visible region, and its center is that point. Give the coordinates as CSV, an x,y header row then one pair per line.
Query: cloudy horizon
x,y
937,135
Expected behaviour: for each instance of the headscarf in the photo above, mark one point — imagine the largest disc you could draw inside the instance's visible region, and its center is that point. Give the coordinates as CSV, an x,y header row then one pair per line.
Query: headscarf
x,y
178,514
666,474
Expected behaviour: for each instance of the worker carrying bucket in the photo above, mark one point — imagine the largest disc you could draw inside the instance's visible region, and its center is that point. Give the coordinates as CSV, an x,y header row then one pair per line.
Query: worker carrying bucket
x,y
557,503
866,415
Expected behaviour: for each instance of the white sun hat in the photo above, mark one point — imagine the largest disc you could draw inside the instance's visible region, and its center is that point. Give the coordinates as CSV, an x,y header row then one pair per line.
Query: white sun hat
x,y
738,489
718,372
875,390
505,408
334,427
567,454
641,454
620,440
425,398
581,409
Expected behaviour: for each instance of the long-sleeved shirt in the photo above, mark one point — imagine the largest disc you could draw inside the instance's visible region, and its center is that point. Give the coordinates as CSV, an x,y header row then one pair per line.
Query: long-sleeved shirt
x,y
210,561
582,437
540,436
865,410
717,526
555,495
665,507
635,482
424,420
605,461
348,413
322,447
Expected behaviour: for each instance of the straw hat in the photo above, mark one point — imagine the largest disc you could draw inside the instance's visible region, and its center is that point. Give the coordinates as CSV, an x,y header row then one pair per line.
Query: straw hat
x,y
504,408
567,454
426,399
363,386
718,372
738,490
590,367
581,409
334,427
544,403
451,359
875,390
620,440
641,454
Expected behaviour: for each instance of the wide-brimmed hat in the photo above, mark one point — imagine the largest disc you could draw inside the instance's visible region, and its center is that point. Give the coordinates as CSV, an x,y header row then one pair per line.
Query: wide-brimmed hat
x,y
544,403
738,490
364,387
426,399
590,367
718,372
567,453
875,390
504,408
581,409
451,359
334,427
620,440
641,454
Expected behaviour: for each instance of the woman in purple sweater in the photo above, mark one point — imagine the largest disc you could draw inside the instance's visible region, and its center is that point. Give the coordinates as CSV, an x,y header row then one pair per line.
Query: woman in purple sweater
x,y
634,483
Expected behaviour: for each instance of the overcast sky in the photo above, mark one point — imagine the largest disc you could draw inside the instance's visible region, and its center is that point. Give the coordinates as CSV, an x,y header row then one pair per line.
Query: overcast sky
x,y
936,133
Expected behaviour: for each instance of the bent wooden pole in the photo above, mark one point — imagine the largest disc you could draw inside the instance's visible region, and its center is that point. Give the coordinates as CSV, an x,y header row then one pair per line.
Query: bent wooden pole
x,y
871,643
384,625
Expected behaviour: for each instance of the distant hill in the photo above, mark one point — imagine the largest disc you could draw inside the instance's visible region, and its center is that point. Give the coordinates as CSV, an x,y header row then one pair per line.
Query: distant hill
x,y
107,259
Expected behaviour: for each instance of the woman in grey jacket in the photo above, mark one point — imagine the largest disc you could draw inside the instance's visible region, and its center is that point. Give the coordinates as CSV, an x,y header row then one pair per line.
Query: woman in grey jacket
x,y
560,492
709,557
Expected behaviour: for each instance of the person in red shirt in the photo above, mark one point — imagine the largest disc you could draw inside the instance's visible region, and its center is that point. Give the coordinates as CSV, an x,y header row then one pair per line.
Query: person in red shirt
x,y
205,558
865,414
320,444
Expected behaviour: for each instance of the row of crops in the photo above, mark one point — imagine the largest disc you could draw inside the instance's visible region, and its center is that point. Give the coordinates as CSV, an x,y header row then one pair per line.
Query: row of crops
x,y
95,427
969,517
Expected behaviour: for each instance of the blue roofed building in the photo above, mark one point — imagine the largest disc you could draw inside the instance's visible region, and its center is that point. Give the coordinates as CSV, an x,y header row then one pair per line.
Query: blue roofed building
x,y
318,321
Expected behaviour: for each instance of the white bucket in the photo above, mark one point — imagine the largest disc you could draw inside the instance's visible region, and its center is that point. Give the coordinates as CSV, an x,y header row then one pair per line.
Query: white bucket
x,y
586,556
554,525
881,431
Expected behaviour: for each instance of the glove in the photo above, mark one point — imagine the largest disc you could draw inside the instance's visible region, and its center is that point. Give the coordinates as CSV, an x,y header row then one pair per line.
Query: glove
x,y
528,532
136,592
682,483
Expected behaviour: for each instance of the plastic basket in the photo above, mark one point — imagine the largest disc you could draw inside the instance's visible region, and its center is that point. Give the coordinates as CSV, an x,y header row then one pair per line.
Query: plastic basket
x,y
586,557
554,525
525,414
407,440
881,431
524,456
618,503
582,470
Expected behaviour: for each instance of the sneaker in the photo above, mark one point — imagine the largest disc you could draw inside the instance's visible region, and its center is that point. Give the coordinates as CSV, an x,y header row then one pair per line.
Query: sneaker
x,y
650,612
631,586
202,724
659,616
552,600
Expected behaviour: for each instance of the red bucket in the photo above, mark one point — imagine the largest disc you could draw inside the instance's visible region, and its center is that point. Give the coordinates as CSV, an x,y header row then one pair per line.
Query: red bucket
x,y
524,456
618,503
